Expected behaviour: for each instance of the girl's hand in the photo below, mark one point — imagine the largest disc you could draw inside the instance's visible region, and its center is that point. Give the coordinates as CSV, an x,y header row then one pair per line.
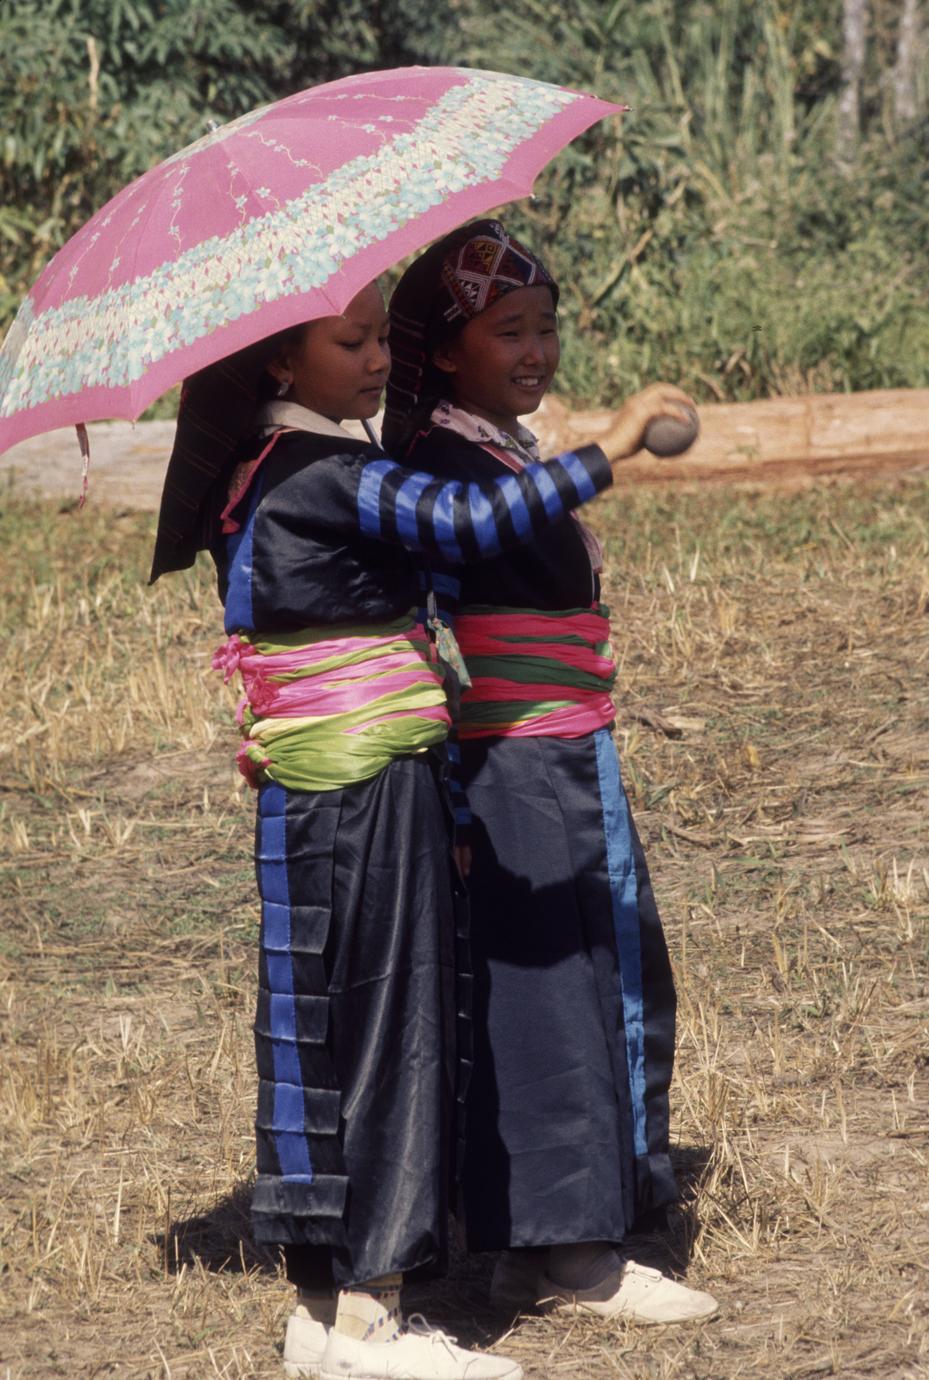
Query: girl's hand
x,y
626,434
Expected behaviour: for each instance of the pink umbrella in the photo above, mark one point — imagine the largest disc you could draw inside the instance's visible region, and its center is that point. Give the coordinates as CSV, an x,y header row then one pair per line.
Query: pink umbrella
x,y
278,217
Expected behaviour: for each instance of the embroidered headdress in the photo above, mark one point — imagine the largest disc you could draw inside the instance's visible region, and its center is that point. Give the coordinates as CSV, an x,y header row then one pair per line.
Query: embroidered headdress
x,y
454,281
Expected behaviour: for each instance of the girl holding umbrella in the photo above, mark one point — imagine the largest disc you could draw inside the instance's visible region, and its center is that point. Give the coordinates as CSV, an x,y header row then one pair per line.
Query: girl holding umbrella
x,y
316,536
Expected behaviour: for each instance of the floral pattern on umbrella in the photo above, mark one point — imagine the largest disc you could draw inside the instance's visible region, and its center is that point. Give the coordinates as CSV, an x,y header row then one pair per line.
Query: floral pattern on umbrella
x,y
277,217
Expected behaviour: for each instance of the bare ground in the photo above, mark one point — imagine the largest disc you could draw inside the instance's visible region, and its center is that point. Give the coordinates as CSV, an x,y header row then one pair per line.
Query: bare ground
x,y
774,732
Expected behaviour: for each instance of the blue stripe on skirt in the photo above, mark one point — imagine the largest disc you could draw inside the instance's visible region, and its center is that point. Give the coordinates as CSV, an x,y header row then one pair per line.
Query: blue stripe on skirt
x,y
624,893
289,1115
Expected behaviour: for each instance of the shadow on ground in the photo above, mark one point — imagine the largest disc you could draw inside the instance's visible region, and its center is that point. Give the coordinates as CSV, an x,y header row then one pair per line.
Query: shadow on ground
x,y
220,1241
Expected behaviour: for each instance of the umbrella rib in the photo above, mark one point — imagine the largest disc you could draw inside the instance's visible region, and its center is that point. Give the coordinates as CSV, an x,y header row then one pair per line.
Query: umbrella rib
x,y
148,213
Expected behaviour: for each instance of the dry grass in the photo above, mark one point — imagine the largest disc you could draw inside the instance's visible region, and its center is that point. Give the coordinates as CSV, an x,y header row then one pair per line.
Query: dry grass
x,y
775,732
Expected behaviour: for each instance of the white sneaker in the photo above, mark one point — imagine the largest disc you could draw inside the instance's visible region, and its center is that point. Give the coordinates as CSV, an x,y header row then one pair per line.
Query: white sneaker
x,y
420,1353
304,1344
639,1294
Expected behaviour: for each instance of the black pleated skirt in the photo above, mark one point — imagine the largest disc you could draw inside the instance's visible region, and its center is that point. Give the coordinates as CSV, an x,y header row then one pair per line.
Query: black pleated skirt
x,y
574,1006
357,1033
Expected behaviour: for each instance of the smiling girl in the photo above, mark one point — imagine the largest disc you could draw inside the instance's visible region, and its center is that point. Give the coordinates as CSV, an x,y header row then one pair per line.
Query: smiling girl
x,y
567,1116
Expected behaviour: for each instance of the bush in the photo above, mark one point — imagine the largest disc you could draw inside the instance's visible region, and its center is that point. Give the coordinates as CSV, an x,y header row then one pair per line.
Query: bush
x,y
708,236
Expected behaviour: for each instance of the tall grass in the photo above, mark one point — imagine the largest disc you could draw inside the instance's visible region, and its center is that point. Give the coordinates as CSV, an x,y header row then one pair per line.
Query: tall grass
x,y
710,235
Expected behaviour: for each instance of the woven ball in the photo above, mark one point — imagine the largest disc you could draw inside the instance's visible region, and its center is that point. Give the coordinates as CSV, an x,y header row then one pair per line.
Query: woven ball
x,y
669,435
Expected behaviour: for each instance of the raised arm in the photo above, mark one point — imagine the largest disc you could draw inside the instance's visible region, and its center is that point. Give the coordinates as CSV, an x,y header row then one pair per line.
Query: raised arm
x,y
460,521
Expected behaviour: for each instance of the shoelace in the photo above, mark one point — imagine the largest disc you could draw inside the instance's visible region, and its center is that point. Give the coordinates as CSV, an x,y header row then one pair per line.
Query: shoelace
x,y
418,1325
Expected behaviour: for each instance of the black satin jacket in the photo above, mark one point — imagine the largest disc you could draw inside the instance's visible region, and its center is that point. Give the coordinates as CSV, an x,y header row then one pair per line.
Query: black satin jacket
x,y
329,528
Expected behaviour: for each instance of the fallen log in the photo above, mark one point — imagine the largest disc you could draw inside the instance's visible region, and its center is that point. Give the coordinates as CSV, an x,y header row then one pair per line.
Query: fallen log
x,y
779,441
776,440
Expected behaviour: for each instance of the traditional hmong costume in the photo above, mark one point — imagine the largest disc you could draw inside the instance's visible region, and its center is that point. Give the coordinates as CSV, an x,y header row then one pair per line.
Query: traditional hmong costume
x,y
360,984
574,1010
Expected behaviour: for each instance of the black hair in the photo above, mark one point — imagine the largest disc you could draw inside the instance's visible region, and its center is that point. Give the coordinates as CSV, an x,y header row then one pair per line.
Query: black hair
x,y
268,386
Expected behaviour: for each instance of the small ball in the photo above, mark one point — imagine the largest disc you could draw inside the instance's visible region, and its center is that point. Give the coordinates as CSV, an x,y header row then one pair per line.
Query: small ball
x,y
669,435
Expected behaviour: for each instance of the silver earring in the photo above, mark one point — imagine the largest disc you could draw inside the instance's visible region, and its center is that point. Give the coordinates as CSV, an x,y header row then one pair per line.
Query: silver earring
x,y
282,388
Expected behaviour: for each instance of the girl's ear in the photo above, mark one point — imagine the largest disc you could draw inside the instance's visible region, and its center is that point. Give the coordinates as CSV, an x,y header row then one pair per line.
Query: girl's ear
x,y
443,360
280,370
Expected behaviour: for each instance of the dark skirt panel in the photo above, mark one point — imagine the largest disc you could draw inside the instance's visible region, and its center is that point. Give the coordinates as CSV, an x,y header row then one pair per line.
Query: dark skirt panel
x,y
567,1133
355,1031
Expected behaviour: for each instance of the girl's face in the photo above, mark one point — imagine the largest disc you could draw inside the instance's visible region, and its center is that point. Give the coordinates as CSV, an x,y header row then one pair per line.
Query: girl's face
x,y
339,365
501,363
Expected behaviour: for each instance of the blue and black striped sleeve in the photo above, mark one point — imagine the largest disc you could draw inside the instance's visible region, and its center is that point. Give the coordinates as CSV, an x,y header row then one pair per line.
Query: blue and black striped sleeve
x,y
460,521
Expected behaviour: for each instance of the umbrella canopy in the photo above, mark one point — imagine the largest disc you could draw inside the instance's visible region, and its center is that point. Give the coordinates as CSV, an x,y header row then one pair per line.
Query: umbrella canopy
x,y
278,217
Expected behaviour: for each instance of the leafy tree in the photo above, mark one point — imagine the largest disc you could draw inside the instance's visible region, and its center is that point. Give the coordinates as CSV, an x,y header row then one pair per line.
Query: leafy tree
x,y
707,236
94,92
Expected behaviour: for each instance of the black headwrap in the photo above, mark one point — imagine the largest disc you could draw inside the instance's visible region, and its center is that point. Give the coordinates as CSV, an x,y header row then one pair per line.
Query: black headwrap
x,y
455,280
217,413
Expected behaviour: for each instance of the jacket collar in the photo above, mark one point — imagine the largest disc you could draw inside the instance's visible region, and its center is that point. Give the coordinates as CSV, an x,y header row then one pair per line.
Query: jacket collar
x,y
281,413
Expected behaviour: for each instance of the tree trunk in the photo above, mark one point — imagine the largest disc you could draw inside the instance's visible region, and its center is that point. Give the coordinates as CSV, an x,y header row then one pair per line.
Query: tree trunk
x,y
909,47
854,29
